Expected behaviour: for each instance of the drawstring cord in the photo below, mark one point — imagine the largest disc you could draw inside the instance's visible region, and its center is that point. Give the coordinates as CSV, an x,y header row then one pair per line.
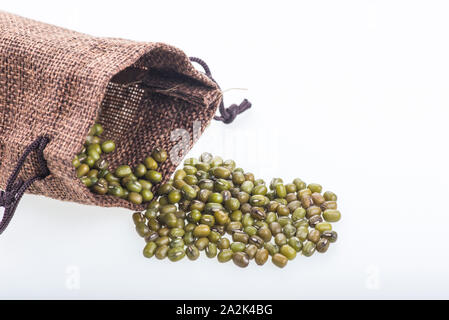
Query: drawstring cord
x,y
227,114
15,188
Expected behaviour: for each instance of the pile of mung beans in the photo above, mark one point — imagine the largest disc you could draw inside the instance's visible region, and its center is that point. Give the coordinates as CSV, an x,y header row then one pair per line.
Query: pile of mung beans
x,y
211,205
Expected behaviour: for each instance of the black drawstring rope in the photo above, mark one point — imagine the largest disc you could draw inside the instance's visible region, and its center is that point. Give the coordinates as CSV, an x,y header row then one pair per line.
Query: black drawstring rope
x,y
15,188
227,114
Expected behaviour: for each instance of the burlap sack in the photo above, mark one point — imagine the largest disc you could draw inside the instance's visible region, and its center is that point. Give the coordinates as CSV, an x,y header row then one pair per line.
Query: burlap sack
x,y
57,83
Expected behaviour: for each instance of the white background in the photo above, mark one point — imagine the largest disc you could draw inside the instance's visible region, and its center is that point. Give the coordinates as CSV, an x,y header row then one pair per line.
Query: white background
x,y
350,94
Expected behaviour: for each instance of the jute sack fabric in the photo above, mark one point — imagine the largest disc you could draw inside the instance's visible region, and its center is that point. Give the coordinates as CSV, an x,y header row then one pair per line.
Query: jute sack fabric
x,y
56,83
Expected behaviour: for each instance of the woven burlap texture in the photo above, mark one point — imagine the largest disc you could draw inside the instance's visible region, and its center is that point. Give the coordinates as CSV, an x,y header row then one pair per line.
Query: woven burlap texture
x,y
58,83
